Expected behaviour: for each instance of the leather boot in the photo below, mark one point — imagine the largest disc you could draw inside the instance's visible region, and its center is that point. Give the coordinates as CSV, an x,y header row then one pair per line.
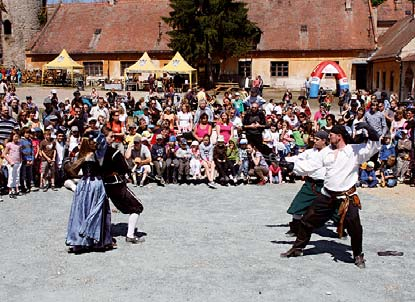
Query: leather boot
x,y
294,226
292,252
359,261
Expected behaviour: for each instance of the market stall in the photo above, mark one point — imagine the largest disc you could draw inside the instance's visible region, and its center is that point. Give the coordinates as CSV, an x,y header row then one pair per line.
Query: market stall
x,y
65,64
178,65
143,65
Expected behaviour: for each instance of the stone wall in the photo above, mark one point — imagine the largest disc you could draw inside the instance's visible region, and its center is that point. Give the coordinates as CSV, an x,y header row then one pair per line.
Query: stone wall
x,y
23,15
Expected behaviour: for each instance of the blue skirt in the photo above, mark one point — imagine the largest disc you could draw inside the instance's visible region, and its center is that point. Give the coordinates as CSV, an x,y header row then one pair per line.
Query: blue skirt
x,y
90,218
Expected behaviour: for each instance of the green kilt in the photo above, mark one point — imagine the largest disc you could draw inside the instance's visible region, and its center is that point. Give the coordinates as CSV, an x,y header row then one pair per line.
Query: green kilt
x,y
305,197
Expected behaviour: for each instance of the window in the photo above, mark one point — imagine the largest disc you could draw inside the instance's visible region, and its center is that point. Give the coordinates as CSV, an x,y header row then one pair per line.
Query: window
x,y
279,69
124,65
244,68
392,80
384,80
93,69
303,28
7,27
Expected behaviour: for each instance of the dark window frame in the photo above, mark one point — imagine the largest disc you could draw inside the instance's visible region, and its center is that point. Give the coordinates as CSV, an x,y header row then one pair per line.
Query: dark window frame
x,y
94,68
279,69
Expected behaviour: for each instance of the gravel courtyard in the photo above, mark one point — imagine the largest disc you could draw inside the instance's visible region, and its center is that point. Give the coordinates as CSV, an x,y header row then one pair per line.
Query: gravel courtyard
x,y
206,245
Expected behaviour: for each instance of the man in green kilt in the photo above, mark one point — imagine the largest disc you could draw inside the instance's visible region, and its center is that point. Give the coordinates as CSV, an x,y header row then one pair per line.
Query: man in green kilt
x,y
312,185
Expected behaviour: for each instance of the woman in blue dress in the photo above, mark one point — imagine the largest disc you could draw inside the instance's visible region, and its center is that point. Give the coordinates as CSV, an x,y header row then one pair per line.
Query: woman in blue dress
x,y
89,226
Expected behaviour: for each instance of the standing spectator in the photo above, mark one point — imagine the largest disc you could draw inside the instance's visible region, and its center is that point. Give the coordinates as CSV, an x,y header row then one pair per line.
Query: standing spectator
x,y
61,154
47,152
28,156
7,124
118,130
13,156
254,123
376,120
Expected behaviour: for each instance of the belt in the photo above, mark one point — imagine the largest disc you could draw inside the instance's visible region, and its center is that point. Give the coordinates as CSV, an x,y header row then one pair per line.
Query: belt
x,y
313,181
335,194
346,197
113,179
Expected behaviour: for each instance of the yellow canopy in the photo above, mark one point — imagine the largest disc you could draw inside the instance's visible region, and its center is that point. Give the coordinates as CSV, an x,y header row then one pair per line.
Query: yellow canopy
x,y
144,64
63,61
179,65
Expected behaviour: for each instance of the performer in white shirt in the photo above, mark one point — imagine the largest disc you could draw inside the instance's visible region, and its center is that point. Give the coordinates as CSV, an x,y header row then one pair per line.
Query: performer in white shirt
x,y
342,162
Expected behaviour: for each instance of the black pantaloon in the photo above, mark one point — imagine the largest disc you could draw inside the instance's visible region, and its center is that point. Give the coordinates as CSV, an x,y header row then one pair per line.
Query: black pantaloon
x,y
321,210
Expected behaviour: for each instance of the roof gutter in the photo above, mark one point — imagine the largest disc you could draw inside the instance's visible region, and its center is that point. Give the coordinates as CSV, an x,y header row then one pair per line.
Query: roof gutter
x,y
372,23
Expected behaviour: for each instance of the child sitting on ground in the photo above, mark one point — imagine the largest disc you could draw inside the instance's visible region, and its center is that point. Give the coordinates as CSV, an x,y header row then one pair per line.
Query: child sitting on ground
x,y
388,173
368,176
275,173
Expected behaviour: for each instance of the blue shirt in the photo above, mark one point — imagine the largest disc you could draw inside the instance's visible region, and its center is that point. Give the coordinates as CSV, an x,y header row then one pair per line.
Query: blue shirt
x,y
27,149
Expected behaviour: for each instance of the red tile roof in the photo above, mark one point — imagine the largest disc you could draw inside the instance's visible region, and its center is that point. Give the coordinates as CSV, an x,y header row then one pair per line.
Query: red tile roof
x,y
395,38
128,26
393,10
133,26
329,25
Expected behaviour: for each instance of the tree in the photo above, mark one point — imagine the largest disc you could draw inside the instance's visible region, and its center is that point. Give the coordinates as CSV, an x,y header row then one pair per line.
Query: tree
x,y
209,31
377,2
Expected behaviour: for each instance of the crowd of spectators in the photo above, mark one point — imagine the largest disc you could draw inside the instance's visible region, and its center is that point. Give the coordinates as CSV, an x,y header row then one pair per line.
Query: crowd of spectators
x,y
171,138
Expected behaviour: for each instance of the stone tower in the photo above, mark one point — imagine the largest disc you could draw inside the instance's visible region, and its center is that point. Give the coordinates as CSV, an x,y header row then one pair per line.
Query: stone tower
x,y
21,20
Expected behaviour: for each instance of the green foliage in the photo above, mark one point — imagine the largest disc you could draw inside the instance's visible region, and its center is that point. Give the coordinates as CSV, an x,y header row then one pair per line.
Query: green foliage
x,y
377,2
218,29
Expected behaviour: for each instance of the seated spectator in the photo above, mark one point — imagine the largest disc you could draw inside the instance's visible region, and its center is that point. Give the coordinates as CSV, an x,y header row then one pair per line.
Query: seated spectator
x,y
222,164
258,167
158,155
139,157
184,119
388,173
243,159
195,161
224,127
275,173
232,153
206,153
183,154
368,176
172,163
202,128
132,133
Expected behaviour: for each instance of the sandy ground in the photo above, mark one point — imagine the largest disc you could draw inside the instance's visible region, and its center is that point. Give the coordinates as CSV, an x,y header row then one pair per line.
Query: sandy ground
x,y
206,245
